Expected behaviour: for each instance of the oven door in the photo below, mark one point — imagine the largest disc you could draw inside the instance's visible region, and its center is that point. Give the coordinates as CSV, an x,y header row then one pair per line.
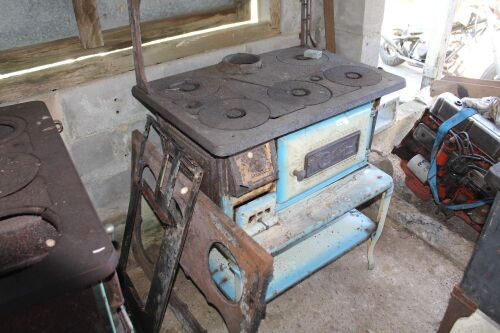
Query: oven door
x,y
320,154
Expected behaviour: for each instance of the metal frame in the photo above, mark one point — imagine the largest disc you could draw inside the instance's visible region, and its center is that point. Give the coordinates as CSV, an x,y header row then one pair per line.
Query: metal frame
x,y
134,10
174,216
210,226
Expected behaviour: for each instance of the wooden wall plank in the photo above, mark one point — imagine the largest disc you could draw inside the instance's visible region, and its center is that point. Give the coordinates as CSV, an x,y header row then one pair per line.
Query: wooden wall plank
x,y
464,89
89,25
79,72
275,14
494,83
329,25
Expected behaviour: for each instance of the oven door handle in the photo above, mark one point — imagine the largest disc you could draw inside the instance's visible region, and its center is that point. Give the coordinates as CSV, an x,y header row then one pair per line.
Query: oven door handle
x,y
300,174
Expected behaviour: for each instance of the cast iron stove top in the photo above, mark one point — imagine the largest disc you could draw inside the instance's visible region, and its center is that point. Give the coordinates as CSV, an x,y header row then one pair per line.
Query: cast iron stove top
x,y
247,100
51,239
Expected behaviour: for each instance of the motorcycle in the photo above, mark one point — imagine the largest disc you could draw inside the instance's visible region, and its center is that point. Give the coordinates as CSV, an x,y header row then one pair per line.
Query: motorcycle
x,y
409,45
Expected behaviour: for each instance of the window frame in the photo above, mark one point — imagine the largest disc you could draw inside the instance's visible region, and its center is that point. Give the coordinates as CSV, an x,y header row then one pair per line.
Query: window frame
x,y
65,63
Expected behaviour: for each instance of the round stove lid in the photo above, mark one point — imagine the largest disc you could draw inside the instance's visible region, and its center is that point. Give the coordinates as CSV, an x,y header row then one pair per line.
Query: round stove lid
x,y
295,56
299,92
16,171
234,114
10,127
25,238
353,76
189,87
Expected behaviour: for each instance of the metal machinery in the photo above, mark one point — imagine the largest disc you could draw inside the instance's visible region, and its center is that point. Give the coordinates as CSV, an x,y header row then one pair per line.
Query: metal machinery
x,y
283,141
468,167
51,239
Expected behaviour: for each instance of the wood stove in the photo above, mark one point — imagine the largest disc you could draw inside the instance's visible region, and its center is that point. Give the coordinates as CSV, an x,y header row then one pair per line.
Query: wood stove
x,y
283,139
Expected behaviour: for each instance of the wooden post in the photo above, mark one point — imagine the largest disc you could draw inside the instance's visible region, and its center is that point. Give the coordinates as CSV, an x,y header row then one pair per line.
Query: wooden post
x,y
275,13
243,10
444,13
329,25
89,26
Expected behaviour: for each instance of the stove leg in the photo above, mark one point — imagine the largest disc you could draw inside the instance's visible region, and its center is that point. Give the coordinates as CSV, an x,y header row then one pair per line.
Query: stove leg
x,y
382,214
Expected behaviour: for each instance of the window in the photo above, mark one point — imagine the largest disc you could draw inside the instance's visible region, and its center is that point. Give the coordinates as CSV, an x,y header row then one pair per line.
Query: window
x,y
103,47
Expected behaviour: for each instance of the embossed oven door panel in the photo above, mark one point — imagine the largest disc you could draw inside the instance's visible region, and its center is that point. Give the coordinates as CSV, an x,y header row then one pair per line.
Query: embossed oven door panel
x,y
317,155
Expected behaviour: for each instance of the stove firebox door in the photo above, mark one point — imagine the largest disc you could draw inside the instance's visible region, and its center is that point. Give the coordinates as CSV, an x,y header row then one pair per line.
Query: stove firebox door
x,y
318,155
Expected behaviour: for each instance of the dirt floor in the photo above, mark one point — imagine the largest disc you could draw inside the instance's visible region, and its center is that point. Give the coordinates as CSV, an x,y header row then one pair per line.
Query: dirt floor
x,y
406,292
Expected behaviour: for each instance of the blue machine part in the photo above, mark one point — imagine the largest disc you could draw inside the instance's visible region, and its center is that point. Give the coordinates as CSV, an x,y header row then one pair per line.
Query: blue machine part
x,y
293,148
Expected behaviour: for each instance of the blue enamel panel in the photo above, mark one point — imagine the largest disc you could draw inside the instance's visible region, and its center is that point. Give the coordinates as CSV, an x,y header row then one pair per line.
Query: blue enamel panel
x,y
283,144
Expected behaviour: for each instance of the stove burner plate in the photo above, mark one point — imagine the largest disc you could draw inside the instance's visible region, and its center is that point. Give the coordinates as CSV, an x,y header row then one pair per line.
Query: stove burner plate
x,y
10,127
299,92
16,171
295,56
234,114
188,87
353,76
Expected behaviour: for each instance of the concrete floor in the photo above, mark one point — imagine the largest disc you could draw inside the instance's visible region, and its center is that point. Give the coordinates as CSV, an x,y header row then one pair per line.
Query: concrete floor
x,y
406,292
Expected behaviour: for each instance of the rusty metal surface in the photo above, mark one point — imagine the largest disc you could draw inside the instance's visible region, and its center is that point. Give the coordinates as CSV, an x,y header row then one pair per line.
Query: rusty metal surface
x,y
253,169
459,306
208,227
174,213
63,232
135,30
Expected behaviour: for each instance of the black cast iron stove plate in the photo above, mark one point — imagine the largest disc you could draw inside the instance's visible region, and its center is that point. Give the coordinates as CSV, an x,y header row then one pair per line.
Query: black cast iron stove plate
x,y
297,92
39,181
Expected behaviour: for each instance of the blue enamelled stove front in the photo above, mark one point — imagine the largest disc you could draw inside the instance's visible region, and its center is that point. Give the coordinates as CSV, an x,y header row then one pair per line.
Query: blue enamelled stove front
x,y
309,218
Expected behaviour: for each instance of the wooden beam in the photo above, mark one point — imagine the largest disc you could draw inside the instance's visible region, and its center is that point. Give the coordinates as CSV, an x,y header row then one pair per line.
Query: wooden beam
x,y
119,62
328,11
89,25
244,10
442,16
463,87
275,14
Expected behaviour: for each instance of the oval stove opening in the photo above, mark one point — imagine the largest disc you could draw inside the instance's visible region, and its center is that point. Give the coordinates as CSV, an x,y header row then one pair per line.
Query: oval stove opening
x,y
25,239
225,272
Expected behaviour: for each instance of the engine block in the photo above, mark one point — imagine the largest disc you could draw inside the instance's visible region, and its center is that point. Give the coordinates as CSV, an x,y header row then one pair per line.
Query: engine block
x,y
468,167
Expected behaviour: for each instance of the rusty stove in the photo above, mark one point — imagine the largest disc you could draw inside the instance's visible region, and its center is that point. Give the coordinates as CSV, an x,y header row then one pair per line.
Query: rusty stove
x,y
283,140
51,239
